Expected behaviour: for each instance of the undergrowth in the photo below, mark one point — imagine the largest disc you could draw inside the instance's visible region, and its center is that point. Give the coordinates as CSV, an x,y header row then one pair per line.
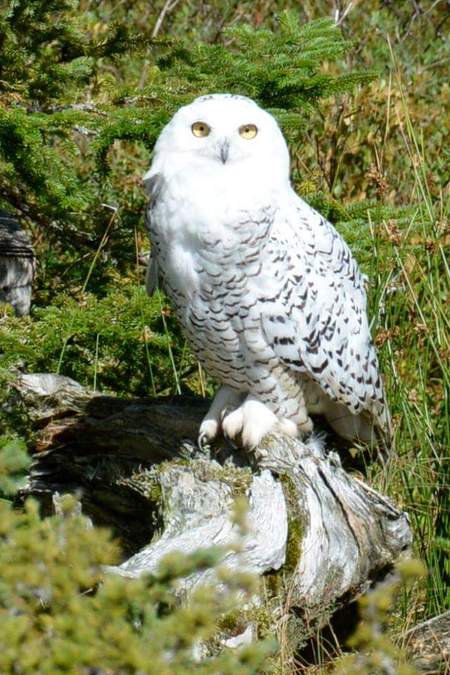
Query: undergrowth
x,y
77,123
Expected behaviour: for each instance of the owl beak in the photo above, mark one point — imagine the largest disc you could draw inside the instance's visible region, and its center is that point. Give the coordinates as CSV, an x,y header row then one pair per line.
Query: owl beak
x,y
224,151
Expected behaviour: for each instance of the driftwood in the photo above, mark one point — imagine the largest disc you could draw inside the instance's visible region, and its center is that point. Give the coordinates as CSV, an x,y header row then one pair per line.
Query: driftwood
x,y
135,466
17,265
429,645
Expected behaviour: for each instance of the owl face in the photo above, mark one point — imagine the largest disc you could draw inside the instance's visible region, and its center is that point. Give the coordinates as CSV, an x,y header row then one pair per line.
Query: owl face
x,y
222,132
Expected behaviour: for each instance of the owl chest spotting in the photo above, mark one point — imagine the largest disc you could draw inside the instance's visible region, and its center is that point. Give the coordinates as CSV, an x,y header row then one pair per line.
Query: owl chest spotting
x,y
207,269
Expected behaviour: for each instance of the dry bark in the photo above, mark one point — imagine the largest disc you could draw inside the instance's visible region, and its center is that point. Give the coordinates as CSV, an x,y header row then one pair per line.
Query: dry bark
x,y
136,468
17,265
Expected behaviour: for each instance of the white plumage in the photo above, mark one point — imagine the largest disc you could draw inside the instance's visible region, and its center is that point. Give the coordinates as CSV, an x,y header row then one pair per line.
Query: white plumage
x,y
267,292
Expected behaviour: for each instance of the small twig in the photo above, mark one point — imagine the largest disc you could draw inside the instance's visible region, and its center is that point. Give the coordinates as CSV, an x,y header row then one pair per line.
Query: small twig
x,y
339,18
168,7
69,232
84,131
82,107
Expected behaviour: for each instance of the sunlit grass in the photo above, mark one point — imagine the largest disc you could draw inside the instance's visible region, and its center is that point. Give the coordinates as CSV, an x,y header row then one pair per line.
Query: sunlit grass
x,y
410,305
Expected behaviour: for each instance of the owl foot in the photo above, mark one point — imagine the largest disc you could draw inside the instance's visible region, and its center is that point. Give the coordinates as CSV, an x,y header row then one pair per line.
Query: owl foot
x,y
247,421
224,400
288,427
254,420
305,426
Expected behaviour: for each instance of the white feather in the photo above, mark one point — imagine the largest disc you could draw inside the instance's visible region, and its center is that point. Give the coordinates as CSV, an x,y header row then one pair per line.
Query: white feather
x,y
268,293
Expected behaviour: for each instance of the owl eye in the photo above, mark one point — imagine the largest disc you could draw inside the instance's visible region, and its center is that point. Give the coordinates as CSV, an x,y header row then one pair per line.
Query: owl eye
x,y
248,131
200,129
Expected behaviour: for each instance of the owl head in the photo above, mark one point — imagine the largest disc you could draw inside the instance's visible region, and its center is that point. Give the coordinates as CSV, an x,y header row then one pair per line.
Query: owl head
x,y
223,133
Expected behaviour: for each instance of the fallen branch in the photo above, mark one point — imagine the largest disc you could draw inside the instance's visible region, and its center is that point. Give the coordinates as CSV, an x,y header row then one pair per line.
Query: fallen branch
x,y
135,467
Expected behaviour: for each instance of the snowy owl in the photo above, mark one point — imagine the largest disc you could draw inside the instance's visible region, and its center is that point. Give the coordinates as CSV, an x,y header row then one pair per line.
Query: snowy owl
x,y
268,294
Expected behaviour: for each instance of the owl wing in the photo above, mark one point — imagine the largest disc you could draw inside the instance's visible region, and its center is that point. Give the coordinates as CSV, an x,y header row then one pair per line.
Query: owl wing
x,y
151,276
153,186
317,324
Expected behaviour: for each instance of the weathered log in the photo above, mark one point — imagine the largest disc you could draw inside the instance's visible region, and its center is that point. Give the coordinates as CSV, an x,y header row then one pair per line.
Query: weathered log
x,y
136,468
17,265
428,645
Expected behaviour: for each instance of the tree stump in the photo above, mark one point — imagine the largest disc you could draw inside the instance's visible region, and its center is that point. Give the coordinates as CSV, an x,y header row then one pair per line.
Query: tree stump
x,y
17,265
324,534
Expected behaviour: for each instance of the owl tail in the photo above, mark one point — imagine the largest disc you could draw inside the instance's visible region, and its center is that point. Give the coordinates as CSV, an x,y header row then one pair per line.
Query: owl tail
x,y
363,428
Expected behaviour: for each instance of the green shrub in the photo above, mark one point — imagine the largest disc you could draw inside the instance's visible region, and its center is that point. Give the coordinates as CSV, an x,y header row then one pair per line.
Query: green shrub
x,y
85,88
120,342
59,613
14,462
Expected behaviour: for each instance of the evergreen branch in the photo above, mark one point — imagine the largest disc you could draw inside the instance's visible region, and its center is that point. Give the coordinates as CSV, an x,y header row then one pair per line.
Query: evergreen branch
x,y
128,128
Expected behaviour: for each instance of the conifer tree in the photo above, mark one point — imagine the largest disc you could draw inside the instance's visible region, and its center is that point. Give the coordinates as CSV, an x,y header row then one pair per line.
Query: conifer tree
x,y
82,102
61,114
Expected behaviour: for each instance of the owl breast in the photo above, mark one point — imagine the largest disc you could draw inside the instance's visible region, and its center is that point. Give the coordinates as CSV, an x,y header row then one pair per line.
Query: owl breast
x,y
206,271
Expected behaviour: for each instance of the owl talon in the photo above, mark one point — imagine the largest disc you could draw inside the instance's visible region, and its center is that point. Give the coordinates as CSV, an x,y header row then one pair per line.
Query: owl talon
x,y
230,441
203,443
233,422
208,431
306,427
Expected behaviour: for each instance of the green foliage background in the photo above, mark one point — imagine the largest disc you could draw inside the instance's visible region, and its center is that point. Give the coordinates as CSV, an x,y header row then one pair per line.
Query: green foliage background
x,y
85,88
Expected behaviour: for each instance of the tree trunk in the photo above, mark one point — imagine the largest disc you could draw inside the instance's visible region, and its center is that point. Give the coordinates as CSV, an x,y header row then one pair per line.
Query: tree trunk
x,y
321,533
17,265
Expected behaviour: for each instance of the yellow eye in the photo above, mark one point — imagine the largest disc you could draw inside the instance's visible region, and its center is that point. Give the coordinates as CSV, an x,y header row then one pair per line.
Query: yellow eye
x,y
248,131
200,129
